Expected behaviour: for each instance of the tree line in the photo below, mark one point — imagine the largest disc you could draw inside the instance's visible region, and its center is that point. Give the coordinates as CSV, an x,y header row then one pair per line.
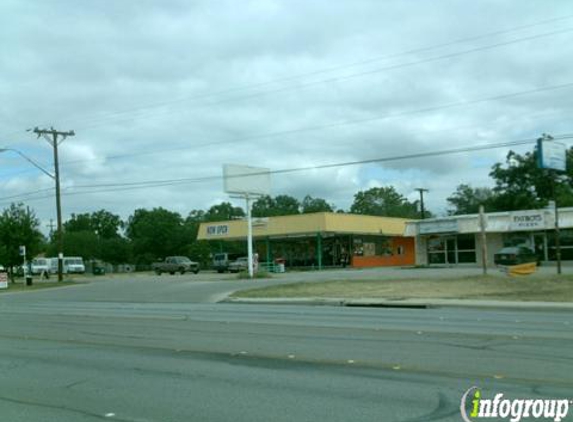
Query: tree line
x,y
148,235
519,184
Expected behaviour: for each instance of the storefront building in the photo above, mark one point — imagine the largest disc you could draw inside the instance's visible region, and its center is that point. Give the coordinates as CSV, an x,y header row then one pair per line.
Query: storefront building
x,y
321,240
457,240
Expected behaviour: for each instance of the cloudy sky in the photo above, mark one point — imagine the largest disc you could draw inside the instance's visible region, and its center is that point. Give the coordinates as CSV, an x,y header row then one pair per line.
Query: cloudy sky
x,y
165,90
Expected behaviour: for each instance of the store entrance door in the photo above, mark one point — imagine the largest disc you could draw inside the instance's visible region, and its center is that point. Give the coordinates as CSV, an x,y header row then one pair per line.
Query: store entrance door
x,y
451,256
540,246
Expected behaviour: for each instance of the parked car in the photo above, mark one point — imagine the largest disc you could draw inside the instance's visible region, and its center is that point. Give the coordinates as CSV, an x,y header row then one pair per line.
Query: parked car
x,y
515,255
240,264
173,264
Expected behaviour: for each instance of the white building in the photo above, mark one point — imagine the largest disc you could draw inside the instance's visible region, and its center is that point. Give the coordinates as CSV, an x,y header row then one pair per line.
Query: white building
x,y
457,239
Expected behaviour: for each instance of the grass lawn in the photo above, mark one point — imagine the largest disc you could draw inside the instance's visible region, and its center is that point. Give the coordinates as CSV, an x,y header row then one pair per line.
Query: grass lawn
x,y
528,288
20,286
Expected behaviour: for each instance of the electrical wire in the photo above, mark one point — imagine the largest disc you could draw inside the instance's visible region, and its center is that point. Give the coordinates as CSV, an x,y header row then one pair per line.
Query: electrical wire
x,y
330,80
130,186
315,128
340,67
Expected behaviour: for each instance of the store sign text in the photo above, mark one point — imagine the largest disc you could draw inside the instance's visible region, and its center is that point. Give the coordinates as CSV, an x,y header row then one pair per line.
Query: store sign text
x,y
218,230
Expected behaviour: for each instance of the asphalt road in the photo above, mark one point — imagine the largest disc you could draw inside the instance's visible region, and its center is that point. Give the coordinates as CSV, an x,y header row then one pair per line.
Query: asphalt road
x,y
147,350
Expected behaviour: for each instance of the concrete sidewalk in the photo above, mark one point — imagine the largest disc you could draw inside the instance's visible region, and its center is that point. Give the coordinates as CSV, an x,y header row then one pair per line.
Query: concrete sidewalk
x,y
408,303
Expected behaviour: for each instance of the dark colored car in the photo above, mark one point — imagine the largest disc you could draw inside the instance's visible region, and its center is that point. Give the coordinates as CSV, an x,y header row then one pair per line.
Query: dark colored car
x,y
173,264
515,255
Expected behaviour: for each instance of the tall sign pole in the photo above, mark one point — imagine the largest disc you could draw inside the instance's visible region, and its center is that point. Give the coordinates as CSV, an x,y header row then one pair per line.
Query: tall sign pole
x,y
51,135
249,236
247,182
552,156
482,226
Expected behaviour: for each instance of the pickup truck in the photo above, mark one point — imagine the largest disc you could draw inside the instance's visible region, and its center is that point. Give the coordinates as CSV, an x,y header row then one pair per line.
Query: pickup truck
x,y
173,264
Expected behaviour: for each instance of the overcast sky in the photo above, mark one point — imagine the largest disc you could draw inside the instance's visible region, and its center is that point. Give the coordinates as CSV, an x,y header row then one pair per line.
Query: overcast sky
x,y
164,90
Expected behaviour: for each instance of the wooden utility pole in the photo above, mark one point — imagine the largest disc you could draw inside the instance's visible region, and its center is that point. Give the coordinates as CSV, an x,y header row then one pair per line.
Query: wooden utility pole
x,y
422,209
482,226
51,135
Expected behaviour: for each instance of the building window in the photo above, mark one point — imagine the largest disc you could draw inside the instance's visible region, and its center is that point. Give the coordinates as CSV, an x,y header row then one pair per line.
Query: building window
x,y
460,249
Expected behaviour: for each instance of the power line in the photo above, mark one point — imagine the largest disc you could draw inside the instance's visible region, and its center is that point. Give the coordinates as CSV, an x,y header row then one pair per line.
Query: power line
x,y
129,186
338,124
362,74
111,118
335,68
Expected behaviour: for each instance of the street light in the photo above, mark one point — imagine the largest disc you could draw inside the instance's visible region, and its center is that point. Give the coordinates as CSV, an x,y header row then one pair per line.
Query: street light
x,y
25,157
47,173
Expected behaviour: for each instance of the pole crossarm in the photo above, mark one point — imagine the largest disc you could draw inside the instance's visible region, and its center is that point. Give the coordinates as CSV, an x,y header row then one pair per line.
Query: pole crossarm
x,y
46,133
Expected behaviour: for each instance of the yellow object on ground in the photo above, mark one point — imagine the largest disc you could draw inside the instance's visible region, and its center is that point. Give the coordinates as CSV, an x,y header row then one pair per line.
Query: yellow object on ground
x,y
522,269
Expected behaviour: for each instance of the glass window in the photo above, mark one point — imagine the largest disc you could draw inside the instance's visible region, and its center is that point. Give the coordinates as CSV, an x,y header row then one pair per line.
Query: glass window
x,y
436,244
437,258
466,242
467,257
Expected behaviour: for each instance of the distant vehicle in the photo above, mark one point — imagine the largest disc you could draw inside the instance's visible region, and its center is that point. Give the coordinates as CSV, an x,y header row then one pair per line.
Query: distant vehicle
x,y
173,264
241,264
515,255
41,265
222,260
71,265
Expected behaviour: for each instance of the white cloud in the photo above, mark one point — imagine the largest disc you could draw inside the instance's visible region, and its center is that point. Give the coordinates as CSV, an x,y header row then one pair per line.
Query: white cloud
x,y
172,90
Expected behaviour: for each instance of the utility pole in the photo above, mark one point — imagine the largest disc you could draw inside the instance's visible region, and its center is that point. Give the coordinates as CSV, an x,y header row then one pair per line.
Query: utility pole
x,y
51,226
51,135
422,210
482,227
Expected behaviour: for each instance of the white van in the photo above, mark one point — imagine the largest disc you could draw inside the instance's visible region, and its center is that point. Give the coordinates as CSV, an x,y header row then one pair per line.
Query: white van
x,y
72,265
40,265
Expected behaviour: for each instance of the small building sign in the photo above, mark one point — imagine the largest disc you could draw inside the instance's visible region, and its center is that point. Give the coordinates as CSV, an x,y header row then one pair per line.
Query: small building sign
x,y
444,226
526,220
551,155
217,230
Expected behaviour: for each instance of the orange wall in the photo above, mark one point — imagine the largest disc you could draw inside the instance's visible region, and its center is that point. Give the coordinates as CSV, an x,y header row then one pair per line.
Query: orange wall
x,y
408,258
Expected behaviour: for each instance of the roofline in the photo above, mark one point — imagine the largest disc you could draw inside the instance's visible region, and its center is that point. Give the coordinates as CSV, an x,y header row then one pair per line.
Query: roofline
x,y
495,213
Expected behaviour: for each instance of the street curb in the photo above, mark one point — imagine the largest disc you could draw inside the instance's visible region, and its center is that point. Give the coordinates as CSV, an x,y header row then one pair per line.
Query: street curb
x,y
406,303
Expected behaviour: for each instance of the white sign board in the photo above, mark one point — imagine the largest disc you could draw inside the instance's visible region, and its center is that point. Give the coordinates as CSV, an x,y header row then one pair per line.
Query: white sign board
x,y
244,180
217,230
3,280
446,226
526,220
551,155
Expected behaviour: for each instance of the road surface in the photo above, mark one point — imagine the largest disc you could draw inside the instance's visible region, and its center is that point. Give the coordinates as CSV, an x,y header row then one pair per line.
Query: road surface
x,y
111,352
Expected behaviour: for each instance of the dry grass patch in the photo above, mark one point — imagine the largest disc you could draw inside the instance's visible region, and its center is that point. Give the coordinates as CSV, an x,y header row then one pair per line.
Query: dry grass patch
x,y
531,288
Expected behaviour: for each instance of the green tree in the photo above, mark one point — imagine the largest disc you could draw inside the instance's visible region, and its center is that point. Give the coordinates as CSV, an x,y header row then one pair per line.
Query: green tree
x,y
520,184
267,206
115,250
223,211
104,223
310,204
18,227
95,236
156,233
466,200
81,243
384,201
